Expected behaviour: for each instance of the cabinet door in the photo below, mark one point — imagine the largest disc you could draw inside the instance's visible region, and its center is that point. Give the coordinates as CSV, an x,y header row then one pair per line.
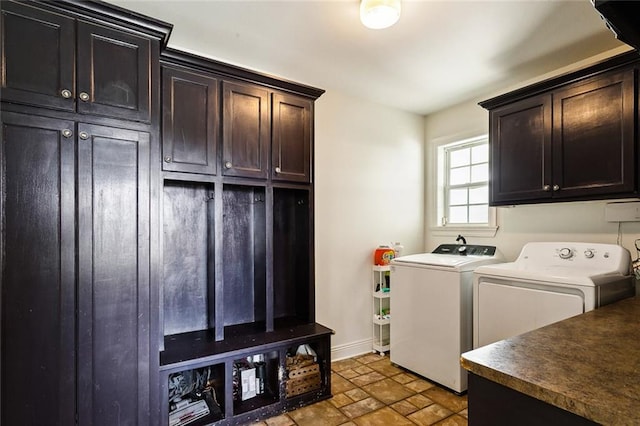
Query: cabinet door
x,y
291,140
520,144
113,276
246,130
37,52
114,73
593,137
190,121
38,271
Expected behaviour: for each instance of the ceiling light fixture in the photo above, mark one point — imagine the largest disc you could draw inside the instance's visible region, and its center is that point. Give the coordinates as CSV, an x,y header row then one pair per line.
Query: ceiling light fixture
x,y
378,14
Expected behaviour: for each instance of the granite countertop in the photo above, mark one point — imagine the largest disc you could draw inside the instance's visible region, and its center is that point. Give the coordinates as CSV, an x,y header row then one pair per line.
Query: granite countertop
x,y
588,365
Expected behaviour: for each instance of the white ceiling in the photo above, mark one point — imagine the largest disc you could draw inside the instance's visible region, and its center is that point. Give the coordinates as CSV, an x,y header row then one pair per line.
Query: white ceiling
x,y
438,54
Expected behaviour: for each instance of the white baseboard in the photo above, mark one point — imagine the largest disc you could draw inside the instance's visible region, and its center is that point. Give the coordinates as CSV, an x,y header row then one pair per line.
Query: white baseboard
x,y
352,349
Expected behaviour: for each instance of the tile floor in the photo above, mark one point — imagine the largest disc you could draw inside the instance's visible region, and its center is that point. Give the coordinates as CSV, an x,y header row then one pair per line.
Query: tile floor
x,y
369,391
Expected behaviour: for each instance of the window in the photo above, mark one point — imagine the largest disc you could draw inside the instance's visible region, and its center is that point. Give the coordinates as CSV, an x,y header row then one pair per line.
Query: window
x,y
462,196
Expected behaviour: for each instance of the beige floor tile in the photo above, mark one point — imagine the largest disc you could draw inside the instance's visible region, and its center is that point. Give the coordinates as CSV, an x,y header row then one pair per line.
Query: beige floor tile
x,y
447,399
430,415
404,407
387,391
385,367
348,424
349,373
419,385
281,420
343,364
404,378
360,408
319,414
365,379
454,420
464,413
363,370
383,417
366,359
340,385
340,400
420,401
357,394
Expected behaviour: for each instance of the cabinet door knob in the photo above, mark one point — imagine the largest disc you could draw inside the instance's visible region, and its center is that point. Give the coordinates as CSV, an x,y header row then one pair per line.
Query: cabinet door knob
x,y
84,96
278,170
227,165
167,159
556,187
84,136
67,133
65,93
546,188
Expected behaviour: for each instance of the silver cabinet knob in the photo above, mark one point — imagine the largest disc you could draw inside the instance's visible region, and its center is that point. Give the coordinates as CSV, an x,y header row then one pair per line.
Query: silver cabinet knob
x,y
556,187
546,188
278,170
167,159
66,93
84,96
228,165
84,136
67,133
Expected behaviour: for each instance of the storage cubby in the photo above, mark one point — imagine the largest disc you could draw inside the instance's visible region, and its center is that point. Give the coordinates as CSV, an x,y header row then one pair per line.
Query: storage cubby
x,y
243,254
196,396
255,381
306,370
291,261
188,220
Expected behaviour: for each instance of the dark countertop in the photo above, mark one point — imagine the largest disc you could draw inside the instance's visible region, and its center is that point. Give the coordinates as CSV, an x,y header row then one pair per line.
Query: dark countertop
x,y
588,365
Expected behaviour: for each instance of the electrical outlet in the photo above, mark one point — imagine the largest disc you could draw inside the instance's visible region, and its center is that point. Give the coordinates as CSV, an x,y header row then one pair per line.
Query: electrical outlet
x,y
622,212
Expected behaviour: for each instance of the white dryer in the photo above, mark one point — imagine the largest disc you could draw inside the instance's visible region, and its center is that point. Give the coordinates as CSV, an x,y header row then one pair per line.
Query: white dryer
x,y
548,282
431,310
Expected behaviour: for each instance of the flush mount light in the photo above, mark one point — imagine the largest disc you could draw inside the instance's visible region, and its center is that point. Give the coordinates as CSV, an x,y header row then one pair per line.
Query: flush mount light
x,y
378,14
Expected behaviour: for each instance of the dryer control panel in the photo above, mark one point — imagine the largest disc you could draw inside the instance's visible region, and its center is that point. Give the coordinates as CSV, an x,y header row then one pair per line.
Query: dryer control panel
x,y
465,250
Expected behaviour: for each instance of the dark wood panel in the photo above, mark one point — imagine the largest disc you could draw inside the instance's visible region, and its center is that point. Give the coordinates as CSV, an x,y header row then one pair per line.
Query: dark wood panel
x,y
37,54
38,272
186,250
243,254
594,147
291,140
246,130
520,144
113,292
114,70
190,121
291,260
492,404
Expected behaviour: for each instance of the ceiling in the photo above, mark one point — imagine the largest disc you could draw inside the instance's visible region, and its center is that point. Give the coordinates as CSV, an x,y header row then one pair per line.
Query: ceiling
x,y
439,53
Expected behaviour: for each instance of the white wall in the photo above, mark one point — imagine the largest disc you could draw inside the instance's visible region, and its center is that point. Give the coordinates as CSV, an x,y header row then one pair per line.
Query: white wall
x,y
578,221
369,189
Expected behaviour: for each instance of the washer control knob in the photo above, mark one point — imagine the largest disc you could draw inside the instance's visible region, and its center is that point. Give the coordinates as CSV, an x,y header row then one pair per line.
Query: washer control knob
x,y
565,253
589,254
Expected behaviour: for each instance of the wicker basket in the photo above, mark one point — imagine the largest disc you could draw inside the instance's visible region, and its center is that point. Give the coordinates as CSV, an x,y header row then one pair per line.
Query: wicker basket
x,y
303,375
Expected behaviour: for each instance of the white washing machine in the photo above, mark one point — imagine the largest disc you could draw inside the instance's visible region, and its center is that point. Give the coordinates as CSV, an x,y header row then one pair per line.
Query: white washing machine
x,y
548,282
431,310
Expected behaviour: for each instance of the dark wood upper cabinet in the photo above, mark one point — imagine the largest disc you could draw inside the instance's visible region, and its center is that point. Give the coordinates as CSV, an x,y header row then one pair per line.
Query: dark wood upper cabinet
x,y
574,139
38,57
521,150
291,138
114,73
43,54
190,121
246,130
594,136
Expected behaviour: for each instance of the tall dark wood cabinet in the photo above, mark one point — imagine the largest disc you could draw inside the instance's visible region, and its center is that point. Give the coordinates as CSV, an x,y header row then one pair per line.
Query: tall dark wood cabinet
x,y
157,228
79,164
570,138
238,272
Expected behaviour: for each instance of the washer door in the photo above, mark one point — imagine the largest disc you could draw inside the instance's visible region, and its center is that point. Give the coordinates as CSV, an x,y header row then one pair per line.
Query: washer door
x,y
506,310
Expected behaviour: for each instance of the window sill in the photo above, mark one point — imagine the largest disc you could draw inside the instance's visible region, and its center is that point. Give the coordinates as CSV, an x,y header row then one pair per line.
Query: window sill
x,y
467,231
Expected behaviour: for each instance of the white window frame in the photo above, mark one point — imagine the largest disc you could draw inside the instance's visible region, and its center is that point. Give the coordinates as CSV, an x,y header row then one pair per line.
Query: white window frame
x,y
439,228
